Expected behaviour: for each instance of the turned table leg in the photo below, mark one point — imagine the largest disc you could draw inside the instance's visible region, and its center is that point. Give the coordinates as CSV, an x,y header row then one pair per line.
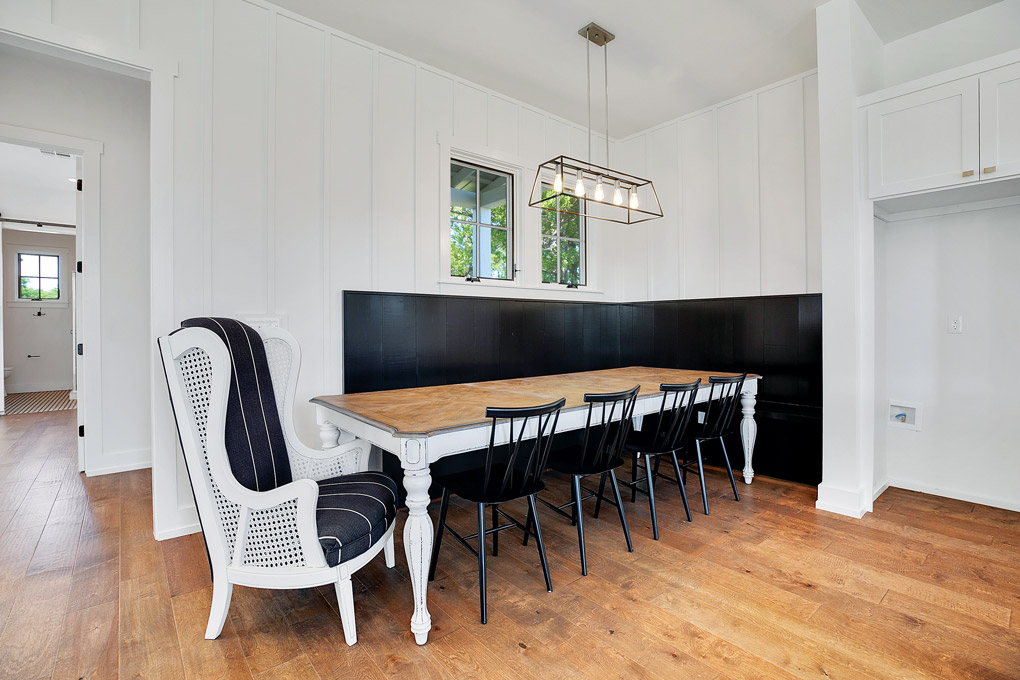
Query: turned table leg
x,y
748,433
418,535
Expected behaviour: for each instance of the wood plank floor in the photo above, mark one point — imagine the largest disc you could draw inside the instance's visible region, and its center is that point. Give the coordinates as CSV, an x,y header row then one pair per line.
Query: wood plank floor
x,y
924,587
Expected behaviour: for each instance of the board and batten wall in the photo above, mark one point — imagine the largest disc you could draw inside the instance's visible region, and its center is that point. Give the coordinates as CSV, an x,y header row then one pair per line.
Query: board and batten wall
x,y
738,183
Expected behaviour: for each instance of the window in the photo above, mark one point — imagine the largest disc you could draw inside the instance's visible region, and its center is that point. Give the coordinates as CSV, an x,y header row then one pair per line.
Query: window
x,y
481,222
38,277
563,240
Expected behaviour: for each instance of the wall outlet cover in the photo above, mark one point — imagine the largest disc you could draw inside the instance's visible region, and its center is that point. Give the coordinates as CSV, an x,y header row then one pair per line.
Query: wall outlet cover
x,y
955,324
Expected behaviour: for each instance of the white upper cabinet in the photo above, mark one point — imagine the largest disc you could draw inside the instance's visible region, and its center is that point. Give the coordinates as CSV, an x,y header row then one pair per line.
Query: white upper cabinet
x,y
1000,122
924,140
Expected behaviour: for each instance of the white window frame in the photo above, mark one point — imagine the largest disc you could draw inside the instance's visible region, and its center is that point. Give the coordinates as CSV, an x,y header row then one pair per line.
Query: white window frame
x,y
511,221
493,160
11,251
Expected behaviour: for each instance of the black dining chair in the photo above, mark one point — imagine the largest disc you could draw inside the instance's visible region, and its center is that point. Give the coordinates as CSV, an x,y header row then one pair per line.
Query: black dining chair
x,y
720,409
664,439
511,471
600,453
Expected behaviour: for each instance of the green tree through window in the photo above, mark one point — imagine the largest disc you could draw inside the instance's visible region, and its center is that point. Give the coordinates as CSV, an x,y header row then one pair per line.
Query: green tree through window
x,y
481,228
563,237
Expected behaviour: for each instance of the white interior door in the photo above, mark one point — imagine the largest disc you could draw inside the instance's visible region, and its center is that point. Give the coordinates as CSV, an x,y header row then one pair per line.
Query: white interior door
x,y
76,297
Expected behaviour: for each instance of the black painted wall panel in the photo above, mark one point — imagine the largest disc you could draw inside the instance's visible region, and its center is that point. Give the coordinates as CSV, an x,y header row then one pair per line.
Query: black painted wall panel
x,y
395,340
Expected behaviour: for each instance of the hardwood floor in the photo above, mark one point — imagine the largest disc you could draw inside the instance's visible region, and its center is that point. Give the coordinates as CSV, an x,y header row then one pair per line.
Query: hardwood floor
x,y
924,587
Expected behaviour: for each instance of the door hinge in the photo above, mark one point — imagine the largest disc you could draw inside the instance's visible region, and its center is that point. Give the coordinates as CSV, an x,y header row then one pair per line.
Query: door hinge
x,y
79,185
81,430
79,266
80,350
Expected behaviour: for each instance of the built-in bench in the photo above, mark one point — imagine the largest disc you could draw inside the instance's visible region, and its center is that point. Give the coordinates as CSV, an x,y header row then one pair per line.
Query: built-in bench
x,y
398,340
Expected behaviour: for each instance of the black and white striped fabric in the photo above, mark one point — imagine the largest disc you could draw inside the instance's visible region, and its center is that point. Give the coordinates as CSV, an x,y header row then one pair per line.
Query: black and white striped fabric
x,y
353,513
256,447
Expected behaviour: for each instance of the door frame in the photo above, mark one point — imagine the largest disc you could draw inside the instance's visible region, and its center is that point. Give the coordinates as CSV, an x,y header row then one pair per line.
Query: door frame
x,y
86,285
169,518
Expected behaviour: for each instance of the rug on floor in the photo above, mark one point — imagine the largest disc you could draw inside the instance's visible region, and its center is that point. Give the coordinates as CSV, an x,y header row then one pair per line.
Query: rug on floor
x,y
38,402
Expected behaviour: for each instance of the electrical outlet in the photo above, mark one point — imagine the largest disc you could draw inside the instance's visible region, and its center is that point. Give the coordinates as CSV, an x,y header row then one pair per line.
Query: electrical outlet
x,y
955,324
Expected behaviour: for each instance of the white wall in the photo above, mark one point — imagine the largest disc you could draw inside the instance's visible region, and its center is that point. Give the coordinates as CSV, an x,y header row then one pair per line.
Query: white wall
x,y
47,336
738,183
34,186
45,94
934,268
985,33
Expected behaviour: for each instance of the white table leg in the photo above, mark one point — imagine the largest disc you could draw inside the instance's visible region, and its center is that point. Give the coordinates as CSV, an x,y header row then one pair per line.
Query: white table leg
x,y
329,434
418,536
748,433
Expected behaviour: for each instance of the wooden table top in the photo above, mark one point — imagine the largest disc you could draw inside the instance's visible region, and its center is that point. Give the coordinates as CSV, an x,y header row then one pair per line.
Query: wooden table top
x,y
425,411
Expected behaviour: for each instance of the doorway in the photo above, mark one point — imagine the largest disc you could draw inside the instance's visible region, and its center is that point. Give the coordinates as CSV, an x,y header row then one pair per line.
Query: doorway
x,y
39,215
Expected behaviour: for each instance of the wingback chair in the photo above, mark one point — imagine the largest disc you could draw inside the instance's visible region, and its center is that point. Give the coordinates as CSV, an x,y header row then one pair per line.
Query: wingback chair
x,y
274,513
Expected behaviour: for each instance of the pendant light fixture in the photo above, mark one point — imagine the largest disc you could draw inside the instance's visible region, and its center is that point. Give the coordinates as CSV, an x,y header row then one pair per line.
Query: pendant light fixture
x,y
632,200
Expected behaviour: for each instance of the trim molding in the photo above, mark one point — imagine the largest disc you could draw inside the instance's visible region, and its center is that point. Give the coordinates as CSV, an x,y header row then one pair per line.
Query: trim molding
x,y
879,490
174,532
1003,503
123,467
852,503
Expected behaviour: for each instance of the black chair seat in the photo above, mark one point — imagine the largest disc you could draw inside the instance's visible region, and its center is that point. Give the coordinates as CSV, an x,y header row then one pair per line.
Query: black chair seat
x,y
470,485
644,441
353,513
568,460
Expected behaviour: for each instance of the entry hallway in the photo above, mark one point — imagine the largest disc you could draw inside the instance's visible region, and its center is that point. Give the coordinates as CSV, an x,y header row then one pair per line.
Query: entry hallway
x,y
924,587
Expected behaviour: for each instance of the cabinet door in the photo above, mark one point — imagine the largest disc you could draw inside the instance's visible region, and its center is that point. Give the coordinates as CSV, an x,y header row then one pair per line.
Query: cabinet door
x,y
924,140
1000,122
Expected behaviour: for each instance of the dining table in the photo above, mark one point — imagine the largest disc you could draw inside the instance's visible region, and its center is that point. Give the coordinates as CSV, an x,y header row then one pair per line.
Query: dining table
x,y
421,425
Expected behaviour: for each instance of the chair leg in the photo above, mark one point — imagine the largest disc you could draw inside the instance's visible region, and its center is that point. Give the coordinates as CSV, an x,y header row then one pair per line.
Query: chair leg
x,y
495,535
701,474
440,526
633,478
481,559
729,469
680,484
527,524
222,591
533,512
598,498
573,499
580,523
651,495
345,598
619,506
389,553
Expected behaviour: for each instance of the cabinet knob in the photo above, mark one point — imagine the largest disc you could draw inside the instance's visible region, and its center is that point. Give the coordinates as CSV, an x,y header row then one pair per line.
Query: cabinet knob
x,y
989,169
968,173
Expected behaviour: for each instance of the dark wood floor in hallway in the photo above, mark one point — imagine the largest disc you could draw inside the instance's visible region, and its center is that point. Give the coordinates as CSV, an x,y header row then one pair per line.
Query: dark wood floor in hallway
x,y
924,587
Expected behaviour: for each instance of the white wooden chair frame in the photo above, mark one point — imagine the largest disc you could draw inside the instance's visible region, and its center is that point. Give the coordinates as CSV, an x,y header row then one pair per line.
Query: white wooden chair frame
x,y
263,539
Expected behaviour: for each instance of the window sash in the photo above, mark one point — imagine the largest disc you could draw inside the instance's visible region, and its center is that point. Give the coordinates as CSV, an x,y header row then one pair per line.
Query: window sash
x,y
558,237
477,224
37,278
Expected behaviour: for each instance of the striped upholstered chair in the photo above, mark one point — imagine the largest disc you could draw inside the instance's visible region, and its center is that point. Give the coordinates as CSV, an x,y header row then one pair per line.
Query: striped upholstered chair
x,y
274,513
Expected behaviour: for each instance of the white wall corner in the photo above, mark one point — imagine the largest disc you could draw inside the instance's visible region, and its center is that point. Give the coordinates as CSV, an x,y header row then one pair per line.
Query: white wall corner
x,y
880,488
849,502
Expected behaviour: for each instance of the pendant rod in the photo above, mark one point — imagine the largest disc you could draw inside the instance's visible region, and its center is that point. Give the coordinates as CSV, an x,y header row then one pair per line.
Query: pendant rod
x,y
587,67
605,73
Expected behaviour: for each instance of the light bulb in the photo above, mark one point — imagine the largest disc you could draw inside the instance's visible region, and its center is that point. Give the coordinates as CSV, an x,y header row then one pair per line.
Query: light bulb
x,y
558,181
617,194
633,198
579,187
599,191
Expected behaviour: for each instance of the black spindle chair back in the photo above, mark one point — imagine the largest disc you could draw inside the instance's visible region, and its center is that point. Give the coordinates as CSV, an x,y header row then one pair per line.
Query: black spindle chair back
x,y
674,415
513,468
722,405
607,426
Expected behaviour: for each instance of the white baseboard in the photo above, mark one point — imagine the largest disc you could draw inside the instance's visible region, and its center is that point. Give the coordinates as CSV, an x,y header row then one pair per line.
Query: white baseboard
x,y
843,501
18,388
1005,504
880,489
174,532
125,461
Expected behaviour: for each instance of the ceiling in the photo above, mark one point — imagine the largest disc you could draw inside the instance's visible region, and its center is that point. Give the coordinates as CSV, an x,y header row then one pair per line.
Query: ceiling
x,y
670,57
35,186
